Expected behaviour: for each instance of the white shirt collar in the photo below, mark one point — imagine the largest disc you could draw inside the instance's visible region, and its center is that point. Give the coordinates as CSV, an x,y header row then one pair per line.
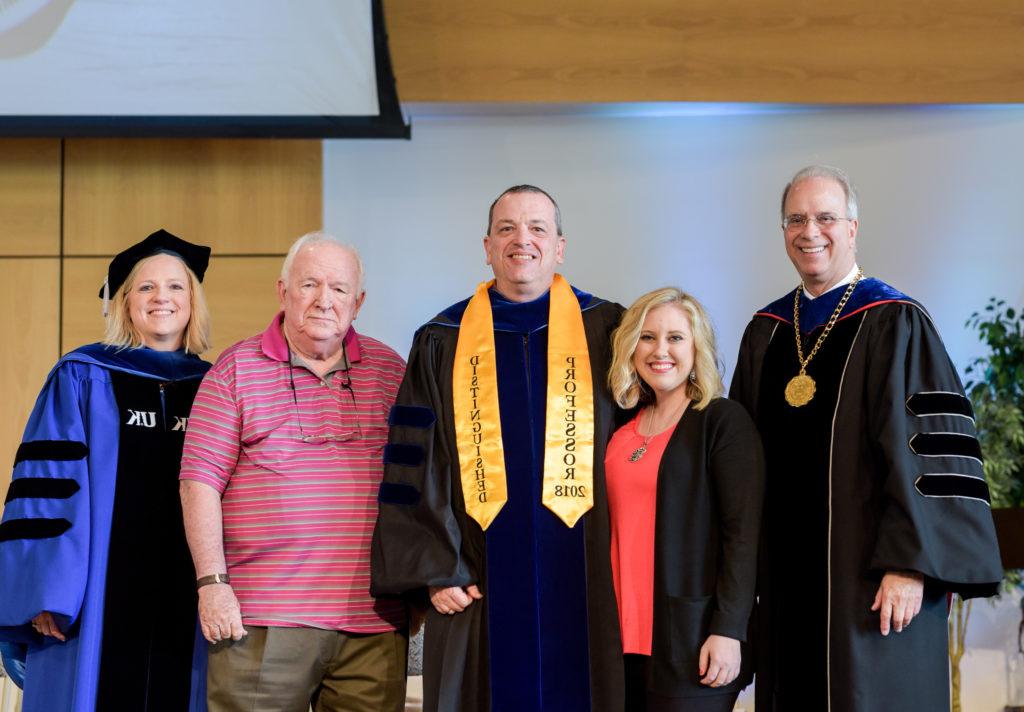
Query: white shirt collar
x,y
841,283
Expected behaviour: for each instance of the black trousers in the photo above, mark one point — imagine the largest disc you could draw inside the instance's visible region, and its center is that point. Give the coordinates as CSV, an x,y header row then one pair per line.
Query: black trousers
x,y
638,699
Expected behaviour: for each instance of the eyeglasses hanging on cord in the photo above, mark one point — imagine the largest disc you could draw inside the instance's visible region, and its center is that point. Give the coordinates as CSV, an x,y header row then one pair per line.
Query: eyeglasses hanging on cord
x,y
346,385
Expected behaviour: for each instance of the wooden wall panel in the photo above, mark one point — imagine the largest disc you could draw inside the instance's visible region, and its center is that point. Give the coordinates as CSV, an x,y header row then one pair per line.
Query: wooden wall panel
x,y
800,51
240,196
82,317
240,293
250,197
29,196
28,348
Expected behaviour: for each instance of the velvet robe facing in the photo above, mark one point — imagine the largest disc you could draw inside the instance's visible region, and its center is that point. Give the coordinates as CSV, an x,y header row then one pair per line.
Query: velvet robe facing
x,y
92,531
880,472
545,635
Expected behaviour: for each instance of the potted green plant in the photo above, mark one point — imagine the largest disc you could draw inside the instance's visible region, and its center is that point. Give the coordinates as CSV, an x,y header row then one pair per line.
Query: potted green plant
x,y
996,390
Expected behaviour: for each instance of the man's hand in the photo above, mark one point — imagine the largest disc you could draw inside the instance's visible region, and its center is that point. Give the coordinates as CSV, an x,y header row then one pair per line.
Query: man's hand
x,y
46,625
899,599
454,599
719,661
219,615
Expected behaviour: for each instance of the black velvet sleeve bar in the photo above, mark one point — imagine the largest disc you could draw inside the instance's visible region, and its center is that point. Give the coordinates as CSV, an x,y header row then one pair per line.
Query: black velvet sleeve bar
x,y
41,488
949,538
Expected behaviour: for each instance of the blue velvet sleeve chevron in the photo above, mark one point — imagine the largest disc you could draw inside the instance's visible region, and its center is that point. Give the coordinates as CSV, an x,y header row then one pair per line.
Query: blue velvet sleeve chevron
x,y
416,417
417,541
46,534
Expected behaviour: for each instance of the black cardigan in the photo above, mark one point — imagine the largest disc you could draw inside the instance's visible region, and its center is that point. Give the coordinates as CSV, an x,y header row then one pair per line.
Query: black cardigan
x,y
707,526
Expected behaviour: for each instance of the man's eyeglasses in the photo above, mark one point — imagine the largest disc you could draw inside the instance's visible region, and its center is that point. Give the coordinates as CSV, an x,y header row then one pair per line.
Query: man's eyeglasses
x,y
355,432
822,220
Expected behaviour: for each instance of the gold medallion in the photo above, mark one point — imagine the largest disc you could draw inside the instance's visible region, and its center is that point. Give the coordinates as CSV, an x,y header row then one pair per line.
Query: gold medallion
x,y
800,390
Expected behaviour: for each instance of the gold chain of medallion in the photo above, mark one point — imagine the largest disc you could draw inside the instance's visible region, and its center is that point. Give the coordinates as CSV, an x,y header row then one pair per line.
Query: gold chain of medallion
x,y
800,389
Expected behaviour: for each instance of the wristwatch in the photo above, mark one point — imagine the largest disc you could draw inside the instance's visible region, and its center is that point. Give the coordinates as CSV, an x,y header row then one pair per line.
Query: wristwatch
x,y
212,578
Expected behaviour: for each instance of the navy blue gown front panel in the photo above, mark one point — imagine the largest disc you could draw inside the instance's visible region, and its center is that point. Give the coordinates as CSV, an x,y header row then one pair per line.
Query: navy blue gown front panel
x,y
536,593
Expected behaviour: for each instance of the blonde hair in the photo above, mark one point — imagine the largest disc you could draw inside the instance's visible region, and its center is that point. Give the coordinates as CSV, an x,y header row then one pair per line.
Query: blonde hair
x,y
627,388
122,332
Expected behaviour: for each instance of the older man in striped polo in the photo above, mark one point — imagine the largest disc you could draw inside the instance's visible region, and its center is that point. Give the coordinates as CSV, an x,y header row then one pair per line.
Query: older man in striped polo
x,y
279,481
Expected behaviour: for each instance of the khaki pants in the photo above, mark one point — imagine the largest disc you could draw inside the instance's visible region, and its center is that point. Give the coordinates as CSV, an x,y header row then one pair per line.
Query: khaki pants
x,y
288,669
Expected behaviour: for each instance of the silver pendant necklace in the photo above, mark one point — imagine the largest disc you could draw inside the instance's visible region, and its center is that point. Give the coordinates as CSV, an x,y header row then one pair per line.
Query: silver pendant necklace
x,y
639,452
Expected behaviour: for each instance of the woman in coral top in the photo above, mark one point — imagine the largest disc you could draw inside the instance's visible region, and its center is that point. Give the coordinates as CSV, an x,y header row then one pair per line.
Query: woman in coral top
x,y
685,488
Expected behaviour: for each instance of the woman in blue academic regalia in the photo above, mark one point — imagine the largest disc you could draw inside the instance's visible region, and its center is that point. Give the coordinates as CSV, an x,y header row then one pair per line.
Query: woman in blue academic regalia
x,y
97,589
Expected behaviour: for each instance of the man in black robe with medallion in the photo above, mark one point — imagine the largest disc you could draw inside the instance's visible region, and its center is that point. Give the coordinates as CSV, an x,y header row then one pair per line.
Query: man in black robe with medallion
x,y
493,511
876,505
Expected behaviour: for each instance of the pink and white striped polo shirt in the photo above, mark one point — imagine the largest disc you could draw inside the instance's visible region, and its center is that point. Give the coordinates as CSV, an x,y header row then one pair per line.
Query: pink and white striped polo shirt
x,y
298,462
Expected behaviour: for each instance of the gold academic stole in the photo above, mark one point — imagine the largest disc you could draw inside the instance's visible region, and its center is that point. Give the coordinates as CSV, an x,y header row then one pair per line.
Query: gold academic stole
x,y
477,417
569,425
568,488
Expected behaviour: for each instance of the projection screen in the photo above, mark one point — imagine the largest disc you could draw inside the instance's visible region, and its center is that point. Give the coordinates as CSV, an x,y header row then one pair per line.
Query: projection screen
x,y
309,68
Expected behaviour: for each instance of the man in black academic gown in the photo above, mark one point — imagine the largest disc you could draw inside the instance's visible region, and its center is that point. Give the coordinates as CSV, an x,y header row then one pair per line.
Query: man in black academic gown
x,y
876,505
494,517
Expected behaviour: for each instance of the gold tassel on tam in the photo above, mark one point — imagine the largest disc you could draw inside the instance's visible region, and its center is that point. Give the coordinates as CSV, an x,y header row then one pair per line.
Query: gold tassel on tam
x,y
106,297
